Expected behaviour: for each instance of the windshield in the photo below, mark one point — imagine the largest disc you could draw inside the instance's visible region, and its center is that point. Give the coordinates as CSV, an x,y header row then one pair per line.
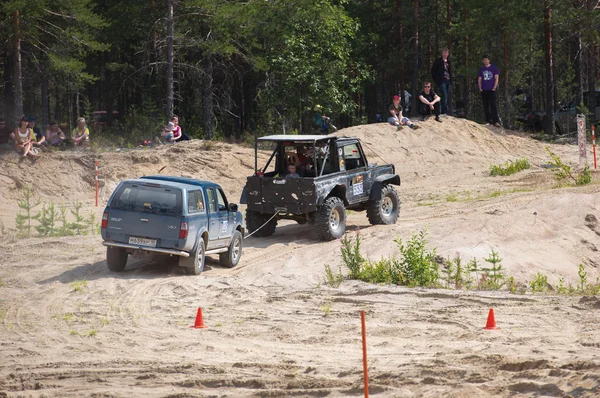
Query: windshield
x,y
147,199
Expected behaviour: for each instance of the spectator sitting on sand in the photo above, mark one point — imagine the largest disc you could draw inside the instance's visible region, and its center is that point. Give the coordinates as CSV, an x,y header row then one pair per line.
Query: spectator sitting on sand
x,y
54,135
178,134
81,134
24,139
396,118
39,137
169,133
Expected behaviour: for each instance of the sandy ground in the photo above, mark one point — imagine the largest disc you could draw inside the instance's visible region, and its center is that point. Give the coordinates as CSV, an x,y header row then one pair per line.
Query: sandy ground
x,y
273,328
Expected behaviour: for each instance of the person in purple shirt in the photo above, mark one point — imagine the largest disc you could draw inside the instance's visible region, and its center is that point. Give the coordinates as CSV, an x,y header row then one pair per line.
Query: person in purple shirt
x,y
488,83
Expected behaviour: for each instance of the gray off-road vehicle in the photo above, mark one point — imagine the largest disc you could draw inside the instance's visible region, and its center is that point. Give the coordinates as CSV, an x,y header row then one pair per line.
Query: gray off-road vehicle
x,y
332,175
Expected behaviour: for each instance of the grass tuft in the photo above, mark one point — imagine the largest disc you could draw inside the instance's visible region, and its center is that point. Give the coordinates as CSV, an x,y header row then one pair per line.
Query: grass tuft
x,y
509,167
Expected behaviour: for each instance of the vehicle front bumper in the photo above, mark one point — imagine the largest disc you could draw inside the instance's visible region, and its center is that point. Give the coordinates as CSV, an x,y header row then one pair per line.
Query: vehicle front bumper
x,y
171,252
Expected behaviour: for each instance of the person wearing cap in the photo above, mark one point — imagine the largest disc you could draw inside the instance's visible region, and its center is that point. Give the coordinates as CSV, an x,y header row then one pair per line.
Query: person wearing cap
x,y
41,140
396,118
81,134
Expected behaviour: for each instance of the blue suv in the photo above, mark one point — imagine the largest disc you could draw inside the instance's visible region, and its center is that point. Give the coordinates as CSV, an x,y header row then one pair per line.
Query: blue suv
x,y
174,216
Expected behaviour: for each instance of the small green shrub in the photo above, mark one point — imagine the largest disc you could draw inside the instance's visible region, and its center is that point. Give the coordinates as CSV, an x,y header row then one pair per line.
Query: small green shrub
x,y
378,272
539,284
47,218
331,278
509,167
494,274
23,220
351,256
78,286
79,224
585,177
582,278
451,197
417,267
562,172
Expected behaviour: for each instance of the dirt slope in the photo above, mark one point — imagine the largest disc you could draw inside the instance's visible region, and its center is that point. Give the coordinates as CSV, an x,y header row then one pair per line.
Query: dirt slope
x,y
273,328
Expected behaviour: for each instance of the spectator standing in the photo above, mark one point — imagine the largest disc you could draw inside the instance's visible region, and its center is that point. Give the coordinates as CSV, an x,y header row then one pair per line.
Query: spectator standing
x,y
396,118
81,134
177,133
488,83
41,140
429,103
441,73
54,135
6,135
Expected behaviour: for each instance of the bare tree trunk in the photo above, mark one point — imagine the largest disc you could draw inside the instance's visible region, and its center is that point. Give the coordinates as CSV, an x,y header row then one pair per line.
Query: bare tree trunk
x,y
592,79
578,69
437,41
415,77
549,67
467,93
17,71
507,121
207,97
45,100
401,50
170,56
449,23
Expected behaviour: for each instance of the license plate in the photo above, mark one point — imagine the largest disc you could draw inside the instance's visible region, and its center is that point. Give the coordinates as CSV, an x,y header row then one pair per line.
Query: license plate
x,y
142,242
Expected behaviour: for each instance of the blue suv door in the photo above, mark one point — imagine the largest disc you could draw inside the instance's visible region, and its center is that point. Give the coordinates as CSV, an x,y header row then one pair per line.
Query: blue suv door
x,y
219,222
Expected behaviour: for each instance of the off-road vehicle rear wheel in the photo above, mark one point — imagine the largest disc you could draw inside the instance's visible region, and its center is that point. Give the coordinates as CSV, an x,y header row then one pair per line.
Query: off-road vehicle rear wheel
x,y
330,219
385,210
116,258
254,220
194,264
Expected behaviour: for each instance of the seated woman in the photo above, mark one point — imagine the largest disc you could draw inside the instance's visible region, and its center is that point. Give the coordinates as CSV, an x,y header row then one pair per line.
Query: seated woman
x,y
54,135
25,139
81,134
169,133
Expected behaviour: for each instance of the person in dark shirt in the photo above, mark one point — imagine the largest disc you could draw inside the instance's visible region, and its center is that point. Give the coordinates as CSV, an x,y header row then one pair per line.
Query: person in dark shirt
x,y
6,135
41,140
487,80
429,103
441,73
396,118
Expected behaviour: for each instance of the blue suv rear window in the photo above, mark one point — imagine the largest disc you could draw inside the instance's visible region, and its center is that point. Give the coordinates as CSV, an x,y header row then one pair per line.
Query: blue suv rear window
x,y
147,199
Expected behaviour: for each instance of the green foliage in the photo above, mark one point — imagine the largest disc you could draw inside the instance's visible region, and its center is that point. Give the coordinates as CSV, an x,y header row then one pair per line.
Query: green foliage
x,y
494,274
382,271
351,256
539,284
91,223
417,266
585,177
562,172
452,197
23,220
66,228
582,278
333,279
47,219
78,226
509,167
78,286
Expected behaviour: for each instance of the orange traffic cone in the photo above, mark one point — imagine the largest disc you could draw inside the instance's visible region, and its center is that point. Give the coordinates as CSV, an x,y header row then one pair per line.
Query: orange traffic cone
x,y
491,321
199,324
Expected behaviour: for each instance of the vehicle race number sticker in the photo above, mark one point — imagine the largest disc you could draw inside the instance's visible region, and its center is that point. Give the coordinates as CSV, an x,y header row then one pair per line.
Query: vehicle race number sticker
x,y
224,225
357,189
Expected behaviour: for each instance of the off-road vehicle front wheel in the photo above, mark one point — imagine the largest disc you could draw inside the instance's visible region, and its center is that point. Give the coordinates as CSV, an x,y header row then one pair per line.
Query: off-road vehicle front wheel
x,y
255,220
386,209
330,219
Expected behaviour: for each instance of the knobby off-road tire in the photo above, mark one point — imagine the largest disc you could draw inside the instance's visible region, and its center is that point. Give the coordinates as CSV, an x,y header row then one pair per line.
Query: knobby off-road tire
x,y
387,209
116,258
194,264
330,219
254,220
232,257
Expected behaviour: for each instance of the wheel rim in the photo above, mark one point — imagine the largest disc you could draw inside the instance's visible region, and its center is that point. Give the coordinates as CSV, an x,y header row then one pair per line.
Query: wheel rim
x,y
334,219
236,249
387,206
199,255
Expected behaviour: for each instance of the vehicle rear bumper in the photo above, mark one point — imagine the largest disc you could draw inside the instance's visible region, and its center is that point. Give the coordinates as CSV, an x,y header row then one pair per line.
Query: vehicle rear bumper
x,y
172,252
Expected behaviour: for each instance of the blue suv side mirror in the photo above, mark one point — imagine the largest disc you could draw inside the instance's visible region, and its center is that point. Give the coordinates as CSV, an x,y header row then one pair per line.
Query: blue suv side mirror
x,y
233,207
